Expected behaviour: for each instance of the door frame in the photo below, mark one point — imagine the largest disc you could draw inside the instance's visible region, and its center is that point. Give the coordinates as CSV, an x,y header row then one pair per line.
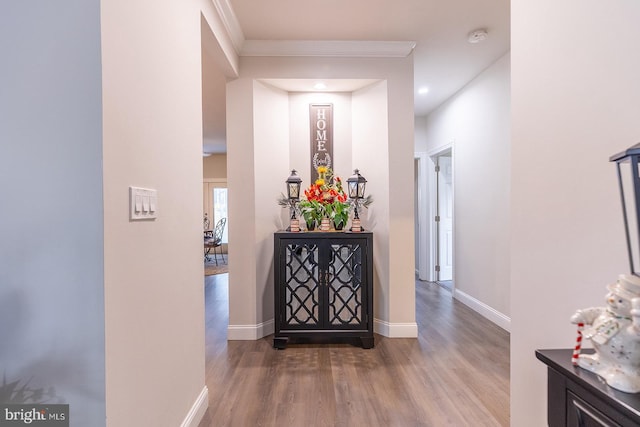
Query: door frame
x,y
433,241
422,228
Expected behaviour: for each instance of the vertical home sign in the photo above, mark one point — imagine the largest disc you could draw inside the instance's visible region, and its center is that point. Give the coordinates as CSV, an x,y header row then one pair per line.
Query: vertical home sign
x,y
321,125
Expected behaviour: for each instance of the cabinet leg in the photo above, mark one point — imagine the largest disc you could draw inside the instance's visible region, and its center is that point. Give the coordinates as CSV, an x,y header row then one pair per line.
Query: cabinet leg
x,y
367,342
280,343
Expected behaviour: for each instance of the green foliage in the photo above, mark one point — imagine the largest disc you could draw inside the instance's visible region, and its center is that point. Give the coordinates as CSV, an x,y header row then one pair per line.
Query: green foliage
x,y
312,211
339,213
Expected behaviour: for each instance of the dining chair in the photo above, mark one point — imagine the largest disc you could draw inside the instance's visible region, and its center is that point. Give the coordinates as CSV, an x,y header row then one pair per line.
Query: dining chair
x,y
213,240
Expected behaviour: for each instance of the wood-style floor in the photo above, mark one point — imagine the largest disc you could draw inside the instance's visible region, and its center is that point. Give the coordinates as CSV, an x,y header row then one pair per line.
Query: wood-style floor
x,y
456,373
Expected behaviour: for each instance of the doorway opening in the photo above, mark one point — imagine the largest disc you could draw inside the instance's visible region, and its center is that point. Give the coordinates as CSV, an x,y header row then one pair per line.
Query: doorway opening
x,y
215,211
442,218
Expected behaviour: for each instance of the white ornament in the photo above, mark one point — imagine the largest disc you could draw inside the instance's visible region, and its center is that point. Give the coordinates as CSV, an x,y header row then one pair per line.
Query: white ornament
x,y
614,331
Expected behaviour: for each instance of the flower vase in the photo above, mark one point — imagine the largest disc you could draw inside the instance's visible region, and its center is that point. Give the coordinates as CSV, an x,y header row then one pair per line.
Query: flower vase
x,y
311,225
325,224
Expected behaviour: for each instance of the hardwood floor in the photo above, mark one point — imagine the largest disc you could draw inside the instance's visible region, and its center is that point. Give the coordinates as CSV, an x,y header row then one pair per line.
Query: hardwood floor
x,y
455,374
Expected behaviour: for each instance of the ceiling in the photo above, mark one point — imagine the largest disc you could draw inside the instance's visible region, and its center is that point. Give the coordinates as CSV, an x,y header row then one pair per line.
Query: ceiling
x,y
444,61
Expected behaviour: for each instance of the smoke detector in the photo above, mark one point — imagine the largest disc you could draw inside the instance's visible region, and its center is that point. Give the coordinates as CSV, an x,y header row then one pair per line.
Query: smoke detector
x,y
477,36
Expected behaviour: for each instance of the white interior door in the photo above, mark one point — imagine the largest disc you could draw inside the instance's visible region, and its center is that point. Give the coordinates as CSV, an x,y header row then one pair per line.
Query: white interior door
x,y
445,207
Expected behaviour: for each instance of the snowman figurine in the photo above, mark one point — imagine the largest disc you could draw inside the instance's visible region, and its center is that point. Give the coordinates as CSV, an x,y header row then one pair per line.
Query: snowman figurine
x,y
614,331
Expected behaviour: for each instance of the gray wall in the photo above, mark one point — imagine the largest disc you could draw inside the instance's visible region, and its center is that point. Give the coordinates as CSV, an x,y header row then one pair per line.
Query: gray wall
x,y
51,220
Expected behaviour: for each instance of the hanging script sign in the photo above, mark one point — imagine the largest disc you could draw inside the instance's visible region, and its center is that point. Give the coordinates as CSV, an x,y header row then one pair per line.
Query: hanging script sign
x,y
321,124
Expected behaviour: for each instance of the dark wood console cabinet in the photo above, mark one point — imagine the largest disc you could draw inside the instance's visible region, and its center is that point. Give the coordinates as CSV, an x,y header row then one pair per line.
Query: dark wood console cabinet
x,y
323,286
579,398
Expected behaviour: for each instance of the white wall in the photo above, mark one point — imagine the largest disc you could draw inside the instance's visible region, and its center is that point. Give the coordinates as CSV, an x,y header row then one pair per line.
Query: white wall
x,y
51,257
271,168
575,103
420,134
241,204
399,300
401,203
371,148
375,148
154,295
258,165
476,121
214,166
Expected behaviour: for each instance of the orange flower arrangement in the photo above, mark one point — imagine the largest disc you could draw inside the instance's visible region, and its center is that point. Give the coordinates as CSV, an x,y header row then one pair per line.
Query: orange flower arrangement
x,y
325,198
327,189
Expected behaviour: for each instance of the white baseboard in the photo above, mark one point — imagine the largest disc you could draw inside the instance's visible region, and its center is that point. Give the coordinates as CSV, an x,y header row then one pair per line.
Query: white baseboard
x,y
198,409
250,332
255,332
395,330
484,310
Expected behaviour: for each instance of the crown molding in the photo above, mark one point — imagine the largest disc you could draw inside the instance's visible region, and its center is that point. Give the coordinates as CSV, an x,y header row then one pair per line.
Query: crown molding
x,y
339,48
230,22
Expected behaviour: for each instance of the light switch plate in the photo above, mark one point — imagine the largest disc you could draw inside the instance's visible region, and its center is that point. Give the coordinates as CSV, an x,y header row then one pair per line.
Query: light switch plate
x,y
143,203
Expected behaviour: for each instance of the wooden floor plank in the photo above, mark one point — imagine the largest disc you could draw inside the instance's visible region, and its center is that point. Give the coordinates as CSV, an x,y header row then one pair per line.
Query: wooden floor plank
x,y
456,373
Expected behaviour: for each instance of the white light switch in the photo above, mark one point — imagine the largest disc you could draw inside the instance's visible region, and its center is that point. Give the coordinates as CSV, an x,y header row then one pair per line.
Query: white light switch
x,y
143,203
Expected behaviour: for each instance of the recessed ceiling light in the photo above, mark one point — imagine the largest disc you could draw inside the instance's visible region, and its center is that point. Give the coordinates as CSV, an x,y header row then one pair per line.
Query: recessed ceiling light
x,y
423,90
319,86
476,36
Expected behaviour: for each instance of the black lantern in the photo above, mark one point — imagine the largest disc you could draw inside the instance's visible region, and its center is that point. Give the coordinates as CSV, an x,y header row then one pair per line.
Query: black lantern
x,y
356,183
355,186
293,186
628,162
293,194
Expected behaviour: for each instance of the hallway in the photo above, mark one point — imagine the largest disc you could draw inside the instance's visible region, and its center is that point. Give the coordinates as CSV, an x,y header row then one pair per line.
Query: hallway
x,y
456,373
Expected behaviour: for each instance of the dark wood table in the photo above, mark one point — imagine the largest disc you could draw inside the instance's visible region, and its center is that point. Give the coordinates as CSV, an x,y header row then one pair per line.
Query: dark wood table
x,y
577,397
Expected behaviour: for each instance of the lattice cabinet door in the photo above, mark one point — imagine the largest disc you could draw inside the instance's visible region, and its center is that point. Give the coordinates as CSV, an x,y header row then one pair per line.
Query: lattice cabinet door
x,y
300,286
346,295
